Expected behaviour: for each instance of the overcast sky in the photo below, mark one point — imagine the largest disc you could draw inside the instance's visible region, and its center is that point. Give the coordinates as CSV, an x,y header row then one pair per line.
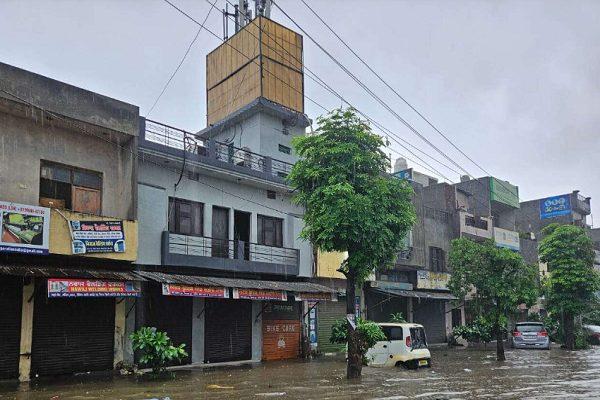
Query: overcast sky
x,y
514,84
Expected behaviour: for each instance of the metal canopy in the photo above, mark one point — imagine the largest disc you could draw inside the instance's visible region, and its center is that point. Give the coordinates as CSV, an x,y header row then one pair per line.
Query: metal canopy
x,y
53,272
305,287
417,294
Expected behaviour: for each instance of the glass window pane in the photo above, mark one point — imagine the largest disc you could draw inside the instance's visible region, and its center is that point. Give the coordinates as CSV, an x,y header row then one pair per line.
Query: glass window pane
x,y
87,179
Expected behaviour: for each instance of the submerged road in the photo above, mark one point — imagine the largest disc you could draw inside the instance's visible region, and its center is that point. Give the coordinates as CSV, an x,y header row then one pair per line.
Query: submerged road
x,y
456,374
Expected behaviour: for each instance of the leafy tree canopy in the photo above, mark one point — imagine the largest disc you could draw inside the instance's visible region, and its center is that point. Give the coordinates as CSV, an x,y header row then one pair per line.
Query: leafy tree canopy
x,y
350,203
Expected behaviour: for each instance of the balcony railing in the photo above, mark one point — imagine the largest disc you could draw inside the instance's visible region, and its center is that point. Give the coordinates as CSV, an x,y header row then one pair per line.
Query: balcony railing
x,y
179,139
226,254
581,204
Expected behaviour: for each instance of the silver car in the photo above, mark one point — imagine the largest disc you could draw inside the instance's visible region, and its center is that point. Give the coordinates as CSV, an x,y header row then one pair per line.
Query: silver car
x,y
530,335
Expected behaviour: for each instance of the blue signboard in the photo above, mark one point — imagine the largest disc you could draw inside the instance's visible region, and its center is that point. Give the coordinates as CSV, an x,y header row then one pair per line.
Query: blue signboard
x,y
555,206
404,174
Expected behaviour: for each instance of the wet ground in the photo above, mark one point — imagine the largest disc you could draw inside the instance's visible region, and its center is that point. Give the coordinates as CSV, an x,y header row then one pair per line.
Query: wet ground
x,y
456,374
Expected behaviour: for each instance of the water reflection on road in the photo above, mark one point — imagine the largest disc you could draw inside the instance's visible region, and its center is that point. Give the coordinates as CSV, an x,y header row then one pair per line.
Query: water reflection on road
x,y
456,374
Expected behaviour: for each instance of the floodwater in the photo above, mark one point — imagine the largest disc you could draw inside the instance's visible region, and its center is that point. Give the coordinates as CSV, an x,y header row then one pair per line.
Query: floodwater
x,y
455,374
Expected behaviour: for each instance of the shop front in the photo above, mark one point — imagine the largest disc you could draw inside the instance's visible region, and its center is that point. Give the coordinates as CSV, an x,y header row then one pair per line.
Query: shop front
x,y
11,297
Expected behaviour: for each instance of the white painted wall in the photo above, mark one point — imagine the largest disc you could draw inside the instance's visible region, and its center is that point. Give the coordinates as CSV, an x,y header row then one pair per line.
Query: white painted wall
x,y
156,185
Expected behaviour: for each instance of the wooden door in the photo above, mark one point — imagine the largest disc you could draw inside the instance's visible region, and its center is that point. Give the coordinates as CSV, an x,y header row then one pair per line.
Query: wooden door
x,y
86,200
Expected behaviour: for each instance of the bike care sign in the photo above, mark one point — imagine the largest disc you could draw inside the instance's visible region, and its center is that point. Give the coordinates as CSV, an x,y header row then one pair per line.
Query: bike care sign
x,y
97,237
555,206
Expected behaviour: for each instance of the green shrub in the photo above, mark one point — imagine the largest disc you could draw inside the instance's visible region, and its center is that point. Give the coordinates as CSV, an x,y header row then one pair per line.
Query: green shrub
x,y
157,349
369,333
397,318
481,330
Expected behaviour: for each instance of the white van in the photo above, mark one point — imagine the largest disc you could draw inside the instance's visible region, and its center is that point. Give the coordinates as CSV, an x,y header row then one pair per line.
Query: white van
x,y
406,345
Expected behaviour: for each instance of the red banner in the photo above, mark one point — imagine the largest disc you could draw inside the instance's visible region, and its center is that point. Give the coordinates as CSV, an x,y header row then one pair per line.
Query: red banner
x,y
259,294
91,288
171,289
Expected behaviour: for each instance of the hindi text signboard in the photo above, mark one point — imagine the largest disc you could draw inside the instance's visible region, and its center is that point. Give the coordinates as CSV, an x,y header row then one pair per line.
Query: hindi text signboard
x,y
91,288
172,289
97,236
432,280
259,294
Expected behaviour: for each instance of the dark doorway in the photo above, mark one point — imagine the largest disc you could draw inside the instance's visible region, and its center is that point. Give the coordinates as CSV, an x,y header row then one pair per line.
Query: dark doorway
x,y
220,232
456,317
241,234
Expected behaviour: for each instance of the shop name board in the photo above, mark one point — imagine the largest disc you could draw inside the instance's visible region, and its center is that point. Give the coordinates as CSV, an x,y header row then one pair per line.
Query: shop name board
x,y
308,296
281,327
97,236
91,288
406,174
170,289
259,294
432,280
507,239
555,206
24,229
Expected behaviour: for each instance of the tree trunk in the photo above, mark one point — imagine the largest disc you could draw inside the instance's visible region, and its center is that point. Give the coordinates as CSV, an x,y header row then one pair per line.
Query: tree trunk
x,y
354,367
569,328
499,343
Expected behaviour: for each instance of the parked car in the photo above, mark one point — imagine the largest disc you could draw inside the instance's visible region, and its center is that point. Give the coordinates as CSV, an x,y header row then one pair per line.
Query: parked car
x,y
530,335
593,332
406,345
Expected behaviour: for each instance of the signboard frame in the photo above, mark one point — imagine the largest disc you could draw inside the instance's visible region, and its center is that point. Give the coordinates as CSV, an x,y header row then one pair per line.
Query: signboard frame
x,y
68,287
97,236
24,228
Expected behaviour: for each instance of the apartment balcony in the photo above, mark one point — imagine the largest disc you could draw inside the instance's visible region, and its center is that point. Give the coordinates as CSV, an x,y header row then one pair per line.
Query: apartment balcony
x,y
475,227
161,141
228,255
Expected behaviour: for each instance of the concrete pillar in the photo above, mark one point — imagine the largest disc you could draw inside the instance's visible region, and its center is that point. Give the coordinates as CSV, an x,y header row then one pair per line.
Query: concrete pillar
x,y
26,331
409,308
253,228
129,329
208,220
448,313
119,349
198,331
257,330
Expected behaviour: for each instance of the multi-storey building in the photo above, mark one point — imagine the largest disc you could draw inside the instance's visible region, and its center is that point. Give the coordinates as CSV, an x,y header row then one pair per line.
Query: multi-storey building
x,y
219,235
67,224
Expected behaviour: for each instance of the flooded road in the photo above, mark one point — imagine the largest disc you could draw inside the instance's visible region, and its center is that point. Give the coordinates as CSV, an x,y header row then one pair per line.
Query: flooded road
x,y
456,374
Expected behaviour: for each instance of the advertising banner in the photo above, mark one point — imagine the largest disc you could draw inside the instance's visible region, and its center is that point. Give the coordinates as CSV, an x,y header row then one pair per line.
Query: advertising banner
x,y
24,229
503,192
507,239
404,174
91,288
171,289
555,206
259,294
97,237
307,296
432,280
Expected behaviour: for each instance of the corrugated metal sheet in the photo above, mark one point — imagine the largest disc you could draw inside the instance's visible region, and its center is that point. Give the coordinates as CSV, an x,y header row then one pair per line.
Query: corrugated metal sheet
x,y
431,314
235,283
53,272
11,297
71,335
327,313
228,330
281,339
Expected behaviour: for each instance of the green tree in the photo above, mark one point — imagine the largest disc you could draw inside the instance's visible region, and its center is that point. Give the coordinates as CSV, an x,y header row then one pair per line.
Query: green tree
x,y
497,278
156,348
351,204
572,280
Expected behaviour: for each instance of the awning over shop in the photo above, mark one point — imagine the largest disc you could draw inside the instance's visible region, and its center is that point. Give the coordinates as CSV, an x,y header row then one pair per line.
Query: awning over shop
x,y
417,294
243,288
54,272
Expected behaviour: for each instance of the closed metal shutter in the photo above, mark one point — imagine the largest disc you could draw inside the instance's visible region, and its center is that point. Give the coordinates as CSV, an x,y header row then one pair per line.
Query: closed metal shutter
x,y
281,330
228,330
327,313
72,334
11,297
431,314
173,315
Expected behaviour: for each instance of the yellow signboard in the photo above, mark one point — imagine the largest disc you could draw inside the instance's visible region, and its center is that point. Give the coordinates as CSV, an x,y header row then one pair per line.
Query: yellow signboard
x,y
432,280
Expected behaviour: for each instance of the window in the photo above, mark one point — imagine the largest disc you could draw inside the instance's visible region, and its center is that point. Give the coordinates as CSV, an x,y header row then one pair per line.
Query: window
x,y
476,222
393,332
270,231
186,217
285,149
437,259
70,188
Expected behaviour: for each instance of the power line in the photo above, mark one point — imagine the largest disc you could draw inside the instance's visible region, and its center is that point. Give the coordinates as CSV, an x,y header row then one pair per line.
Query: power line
x,y
295,89
423,117
313,76
182,59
